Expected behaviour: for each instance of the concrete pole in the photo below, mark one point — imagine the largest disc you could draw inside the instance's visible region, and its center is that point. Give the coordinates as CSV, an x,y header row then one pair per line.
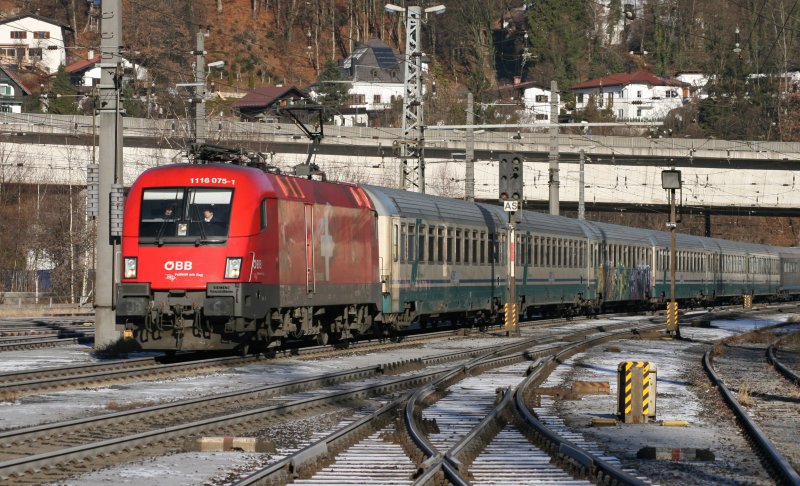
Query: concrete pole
x,y
553,156
469,156
110,161
581,206
199,100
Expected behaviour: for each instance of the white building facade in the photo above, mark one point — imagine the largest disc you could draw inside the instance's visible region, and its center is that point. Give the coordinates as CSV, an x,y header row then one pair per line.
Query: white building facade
x,y
31,40
638,96
537,105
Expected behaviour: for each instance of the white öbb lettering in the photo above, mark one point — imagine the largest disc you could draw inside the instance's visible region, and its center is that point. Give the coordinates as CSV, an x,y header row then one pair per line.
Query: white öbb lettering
x,y
170,265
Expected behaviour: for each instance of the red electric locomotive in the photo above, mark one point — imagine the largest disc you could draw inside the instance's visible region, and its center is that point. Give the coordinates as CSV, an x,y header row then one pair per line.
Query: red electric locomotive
x,y
221,256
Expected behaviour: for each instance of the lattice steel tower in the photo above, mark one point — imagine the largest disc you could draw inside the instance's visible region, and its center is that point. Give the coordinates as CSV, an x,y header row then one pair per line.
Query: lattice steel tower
x,y
412,150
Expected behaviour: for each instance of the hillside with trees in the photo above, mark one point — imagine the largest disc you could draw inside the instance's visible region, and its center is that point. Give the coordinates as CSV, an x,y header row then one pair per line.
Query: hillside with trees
x,y
477,45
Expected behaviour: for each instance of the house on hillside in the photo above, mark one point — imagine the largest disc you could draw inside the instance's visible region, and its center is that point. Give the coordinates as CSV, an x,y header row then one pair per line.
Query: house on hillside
x,y
637,96
12,90
696,82
32,40
375,73
262,104
85,74
533,98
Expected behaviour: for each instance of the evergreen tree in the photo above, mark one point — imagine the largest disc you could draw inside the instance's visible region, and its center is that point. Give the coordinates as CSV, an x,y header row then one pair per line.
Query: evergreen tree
x,y
333,90
62,96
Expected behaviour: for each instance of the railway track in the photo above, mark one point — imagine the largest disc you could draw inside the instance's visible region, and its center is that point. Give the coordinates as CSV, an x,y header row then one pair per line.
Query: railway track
x,y
51,452
20,383
43,333
458,434
786,360
765,404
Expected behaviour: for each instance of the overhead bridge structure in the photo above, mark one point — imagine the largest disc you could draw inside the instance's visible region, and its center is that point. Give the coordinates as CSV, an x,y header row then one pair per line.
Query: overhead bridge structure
x,y
618,170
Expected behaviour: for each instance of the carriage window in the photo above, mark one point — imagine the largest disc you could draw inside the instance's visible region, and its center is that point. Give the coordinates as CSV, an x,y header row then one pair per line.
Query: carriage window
x,y
449,245
394,242
475,247
431,244
458,246
412,239
440,245
466,246
545,252
403,239
483,247
502,249
421,244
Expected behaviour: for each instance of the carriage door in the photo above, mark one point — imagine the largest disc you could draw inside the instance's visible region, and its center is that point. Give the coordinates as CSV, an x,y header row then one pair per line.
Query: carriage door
x,y
309,218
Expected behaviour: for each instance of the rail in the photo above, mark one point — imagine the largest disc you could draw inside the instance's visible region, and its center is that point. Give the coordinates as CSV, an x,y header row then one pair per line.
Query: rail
x,y
781,468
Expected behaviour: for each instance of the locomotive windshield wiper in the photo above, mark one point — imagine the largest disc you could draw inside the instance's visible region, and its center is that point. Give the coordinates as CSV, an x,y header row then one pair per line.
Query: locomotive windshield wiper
x,y
201,225
160,234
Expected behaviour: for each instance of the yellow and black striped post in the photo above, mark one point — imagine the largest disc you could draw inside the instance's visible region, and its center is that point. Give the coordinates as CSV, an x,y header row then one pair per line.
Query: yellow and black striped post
x,y
747,301
636,391
510,317
672,317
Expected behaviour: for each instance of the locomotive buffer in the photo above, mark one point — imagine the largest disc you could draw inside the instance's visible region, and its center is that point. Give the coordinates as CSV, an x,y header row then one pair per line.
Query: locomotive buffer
x,y
511,185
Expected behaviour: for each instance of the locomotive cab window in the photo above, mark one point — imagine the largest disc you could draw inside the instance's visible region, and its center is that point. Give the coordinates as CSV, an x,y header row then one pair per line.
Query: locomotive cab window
x,y
173,215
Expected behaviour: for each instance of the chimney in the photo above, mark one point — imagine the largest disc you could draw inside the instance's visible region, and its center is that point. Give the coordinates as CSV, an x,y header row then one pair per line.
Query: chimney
x,y
90,55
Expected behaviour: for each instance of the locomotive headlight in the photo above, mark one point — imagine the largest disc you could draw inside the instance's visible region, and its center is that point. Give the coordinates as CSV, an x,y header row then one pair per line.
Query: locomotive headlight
x,y
130,267
232,267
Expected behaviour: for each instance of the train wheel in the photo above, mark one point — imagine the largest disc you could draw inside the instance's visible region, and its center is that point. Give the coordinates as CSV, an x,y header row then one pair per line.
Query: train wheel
x,y
244,349
323,338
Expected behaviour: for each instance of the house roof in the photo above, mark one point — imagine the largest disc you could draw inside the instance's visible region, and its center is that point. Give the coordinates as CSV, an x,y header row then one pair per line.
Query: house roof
x,y
374,61
13,76
624,79
263,97
82,65
37,17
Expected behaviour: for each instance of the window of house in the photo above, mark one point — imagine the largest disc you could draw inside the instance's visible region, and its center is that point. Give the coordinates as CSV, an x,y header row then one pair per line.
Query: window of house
x,y
580,97
41,35
638,94
638,112
8,52
358,99
542,99
6,90
35,53
620,113
376,99
671,94
620,94
19,34
542,116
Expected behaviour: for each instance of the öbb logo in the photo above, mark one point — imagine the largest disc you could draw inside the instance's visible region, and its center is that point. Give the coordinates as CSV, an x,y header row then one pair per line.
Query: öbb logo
x,y
171,265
